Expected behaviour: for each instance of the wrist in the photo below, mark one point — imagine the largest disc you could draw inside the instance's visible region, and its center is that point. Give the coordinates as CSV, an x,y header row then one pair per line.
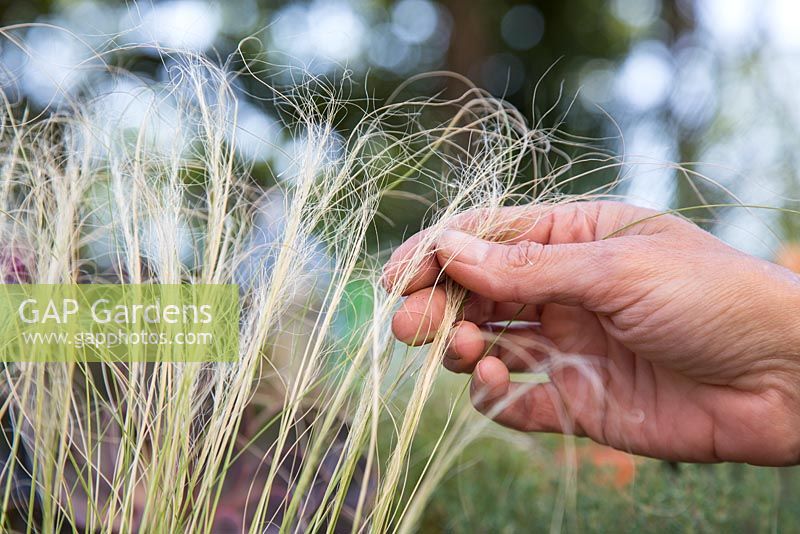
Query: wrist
x,y
787,310
779,325
792,314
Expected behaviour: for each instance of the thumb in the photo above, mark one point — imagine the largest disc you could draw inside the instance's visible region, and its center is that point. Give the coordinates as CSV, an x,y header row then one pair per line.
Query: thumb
x,y
527,272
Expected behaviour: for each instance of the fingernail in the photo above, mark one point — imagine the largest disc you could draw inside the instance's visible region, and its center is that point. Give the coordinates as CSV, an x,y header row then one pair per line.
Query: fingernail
x,y
385,280
485,389
463,248
479,371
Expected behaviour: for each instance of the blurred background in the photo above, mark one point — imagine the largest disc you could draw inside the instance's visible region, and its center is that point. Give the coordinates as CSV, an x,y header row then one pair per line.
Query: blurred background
x,y
659,81
713,85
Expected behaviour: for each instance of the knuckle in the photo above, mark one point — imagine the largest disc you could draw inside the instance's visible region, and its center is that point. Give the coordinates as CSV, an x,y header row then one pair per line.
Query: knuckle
x,y
522,254
577,223
515,267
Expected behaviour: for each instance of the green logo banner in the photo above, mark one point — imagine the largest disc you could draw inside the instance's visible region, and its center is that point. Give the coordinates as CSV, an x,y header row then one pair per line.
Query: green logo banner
x,y
119,323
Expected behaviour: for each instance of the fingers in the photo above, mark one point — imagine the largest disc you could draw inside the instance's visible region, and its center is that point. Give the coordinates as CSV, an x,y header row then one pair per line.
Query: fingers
x,y
535,223
420,316
521,349
479,310
465,347
526,407
570,407
576,222
529,272
413,265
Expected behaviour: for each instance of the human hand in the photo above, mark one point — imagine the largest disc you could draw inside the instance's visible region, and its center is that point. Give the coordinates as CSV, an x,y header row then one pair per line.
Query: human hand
x,y
696,345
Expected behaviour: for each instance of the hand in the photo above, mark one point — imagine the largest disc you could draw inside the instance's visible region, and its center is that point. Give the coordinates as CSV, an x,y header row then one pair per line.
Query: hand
x,y
696,345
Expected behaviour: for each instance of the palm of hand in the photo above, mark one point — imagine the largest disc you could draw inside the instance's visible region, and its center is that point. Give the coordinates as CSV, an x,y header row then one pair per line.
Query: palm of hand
x,y
643,406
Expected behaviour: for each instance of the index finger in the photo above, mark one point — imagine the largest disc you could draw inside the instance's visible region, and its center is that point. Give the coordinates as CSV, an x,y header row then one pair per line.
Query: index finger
x,y
414,265
508,224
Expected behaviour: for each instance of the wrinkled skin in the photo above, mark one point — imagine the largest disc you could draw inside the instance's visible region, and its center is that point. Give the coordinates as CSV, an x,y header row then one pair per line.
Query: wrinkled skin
x,y
696,345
